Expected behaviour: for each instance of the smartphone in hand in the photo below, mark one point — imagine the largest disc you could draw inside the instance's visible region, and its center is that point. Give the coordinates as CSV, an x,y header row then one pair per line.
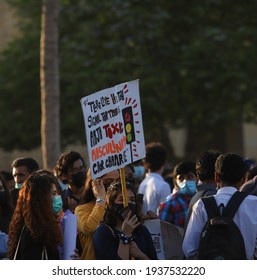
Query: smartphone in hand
x,y
124,212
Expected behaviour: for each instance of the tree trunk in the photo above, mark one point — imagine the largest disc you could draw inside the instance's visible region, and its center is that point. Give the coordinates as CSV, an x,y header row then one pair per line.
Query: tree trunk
x,y
49,79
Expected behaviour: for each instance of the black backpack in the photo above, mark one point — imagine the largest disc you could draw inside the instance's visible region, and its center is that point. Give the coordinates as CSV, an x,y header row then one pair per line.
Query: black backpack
x,y
221,238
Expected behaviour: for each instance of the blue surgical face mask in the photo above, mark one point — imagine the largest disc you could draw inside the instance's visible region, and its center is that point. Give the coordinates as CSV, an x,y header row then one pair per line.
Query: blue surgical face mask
x,y
57,203
62,185
18,185
187,187
139,172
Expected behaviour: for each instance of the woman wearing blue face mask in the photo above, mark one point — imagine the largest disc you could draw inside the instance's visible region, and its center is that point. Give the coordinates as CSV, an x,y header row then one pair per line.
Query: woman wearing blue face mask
x,y
174,209
121,234
35,232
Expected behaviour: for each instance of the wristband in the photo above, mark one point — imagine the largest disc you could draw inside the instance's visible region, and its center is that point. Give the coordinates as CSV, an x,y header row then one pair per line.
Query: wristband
x,y
124,238
99,199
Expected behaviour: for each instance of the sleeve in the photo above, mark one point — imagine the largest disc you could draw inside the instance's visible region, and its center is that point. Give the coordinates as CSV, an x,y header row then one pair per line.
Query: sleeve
x,y
104,243
165,192
194,229
166,211
89,217
3,244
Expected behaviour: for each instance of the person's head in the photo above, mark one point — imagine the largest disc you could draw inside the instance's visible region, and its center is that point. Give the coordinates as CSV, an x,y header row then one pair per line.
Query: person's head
x,y
5,202
71,169
107,179
139,171
251,173
230,170
249,163
184,177
21,168
110,178
250,186
205,165
156,156
35,209
114,203
8,177
129,173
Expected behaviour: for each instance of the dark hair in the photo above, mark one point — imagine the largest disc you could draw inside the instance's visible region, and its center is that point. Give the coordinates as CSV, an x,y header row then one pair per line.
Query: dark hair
x,y
184,167
250,187
6,207
6,175
230,167
156,156
65,162
34,209
88,192
110,216
251,173
30,164
205,164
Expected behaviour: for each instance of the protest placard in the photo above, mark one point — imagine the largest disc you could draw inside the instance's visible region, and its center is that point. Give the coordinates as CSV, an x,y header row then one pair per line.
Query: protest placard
x,y
114,127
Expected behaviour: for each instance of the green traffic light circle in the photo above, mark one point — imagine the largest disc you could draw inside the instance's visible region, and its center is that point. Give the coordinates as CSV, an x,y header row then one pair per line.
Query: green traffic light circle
x,y
129,137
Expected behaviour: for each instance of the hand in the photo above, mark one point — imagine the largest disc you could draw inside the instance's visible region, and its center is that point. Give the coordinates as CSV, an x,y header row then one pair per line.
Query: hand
x,y
129,224
150,215
75,256
98,188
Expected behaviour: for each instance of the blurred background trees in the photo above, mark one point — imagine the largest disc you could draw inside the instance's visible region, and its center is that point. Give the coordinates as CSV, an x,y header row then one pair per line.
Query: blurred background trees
x,y
196,61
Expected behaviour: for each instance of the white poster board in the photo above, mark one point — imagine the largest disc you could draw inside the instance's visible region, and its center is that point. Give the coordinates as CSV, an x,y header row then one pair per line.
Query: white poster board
x,y
167,239
154,227
69,235
114,127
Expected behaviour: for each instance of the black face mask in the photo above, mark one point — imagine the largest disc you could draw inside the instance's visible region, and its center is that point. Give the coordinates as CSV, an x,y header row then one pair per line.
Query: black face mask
x,y
79,179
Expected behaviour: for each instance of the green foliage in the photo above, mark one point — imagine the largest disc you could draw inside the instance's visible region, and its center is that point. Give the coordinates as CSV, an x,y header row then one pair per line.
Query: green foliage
x,y
196,61
20,93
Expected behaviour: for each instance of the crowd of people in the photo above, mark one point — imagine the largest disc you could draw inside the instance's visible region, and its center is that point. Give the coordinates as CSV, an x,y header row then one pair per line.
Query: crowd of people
x,y
110,224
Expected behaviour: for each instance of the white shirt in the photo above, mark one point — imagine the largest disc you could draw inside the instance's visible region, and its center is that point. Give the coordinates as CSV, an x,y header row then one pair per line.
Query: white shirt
x,y
155,191
245,218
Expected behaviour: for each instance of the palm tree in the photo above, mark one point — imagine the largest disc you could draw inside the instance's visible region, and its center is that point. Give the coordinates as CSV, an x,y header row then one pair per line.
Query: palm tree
x,y
49,79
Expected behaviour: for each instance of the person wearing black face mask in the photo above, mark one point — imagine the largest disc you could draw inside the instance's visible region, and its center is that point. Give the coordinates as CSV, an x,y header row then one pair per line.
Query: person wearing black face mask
x,y
121,235
70,169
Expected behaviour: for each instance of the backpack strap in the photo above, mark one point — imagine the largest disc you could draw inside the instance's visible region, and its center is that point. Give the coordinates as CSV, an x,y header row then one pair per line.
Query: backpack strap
x,y
211,207
233,204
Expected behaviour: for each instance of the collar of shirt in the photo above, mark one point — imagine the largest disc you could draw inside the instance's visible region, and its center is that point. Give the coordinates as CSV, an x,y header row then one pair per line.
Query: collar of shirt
x,y
227,190
152,174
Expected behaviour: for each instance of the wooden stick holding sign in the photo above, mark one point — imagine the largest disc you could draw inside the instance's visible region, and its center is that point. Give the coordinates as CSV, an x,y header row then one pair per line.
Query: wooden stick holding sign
x,y
123,185
124,192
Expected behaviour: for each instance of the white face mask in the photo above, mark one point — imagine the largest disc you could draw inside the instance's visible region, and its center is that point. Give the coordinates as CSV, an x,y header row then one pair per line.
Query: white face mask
x,y
187,187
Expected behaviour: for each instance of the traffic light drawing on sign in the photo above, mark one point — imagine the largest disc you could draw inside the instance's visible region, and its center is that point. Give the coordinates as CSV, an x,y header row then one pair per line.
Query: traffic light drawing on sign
x,y
128,124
